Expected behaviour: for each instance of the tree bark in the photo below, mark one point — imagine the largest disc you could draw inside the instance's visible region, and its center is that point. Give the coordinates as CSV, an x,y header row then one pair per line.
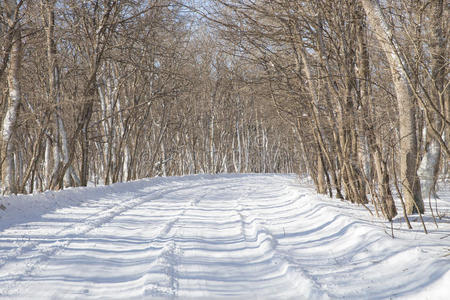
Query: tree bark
x,y
366,123
429,166
10,119
406,106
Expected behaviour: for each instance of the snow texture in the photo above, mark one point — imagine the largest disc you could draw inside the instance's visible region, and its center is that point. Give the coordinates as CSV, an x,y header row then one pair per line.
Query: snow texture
x,y
214,237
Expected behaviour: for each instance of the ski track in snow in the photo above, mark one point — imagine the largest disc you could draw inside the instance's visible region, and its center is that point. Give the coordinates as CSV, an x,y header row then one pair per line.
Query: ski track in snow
x,y
224,236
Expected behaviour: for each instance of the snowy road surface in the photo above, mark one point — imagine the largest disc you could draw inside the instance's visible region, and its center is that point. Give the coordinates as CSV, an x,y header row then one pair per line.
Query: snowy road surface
x,y
207,237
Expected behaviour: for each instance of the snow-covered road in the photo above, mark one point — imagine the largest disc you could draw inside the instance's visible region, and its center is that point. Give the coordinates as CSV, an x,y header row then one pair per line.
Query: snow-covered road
x,y
225,236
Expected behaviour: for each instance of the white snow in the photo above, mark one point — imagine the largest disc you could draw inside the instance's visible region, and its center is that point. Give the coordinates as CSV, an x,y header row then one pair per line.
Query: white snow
x,y
215,237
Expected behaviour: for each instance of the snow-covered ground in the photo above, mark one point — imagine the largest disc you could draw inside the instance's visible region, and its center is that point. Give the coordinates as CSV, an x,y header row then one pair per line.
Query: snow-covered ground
x,y
208,237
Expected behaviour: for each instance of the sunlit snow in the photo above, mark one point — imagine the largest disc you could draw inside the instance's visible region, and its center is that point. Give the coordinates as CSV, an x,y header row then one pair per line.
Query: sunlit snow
x,y
209,237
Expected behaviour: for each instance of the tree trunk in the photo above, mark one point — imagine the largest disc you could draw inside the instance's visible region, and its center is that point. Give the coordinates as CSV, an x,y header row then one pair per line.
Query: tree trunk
x,y
366,123
429,166
10,119
406,106
53,84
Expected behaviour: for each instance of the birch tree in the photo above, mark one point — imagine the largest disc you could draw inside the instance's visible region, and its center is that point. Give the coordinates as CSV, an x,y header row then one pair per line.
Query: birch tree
x,y
14,98
406,106
438,99
95,22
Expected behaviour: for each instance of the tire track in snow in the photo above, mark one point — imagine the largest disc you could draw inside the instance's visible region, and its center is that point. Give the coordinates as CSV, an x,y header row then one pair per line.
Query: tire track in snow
x,y
253,263
254,231
65,236
168,258
92,221
258,243
250,236
113,208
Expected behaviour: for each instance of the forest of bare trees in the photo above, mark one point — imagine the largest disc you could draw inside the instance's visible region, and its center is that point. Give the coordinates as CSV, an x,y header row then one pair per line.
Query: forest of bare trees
x,y
354,94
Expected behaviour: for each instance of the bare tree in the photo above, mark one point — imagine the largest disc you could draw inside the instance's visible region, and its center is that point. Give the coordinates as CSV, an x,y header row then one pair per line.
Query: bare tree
x,y
14,98
406,105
